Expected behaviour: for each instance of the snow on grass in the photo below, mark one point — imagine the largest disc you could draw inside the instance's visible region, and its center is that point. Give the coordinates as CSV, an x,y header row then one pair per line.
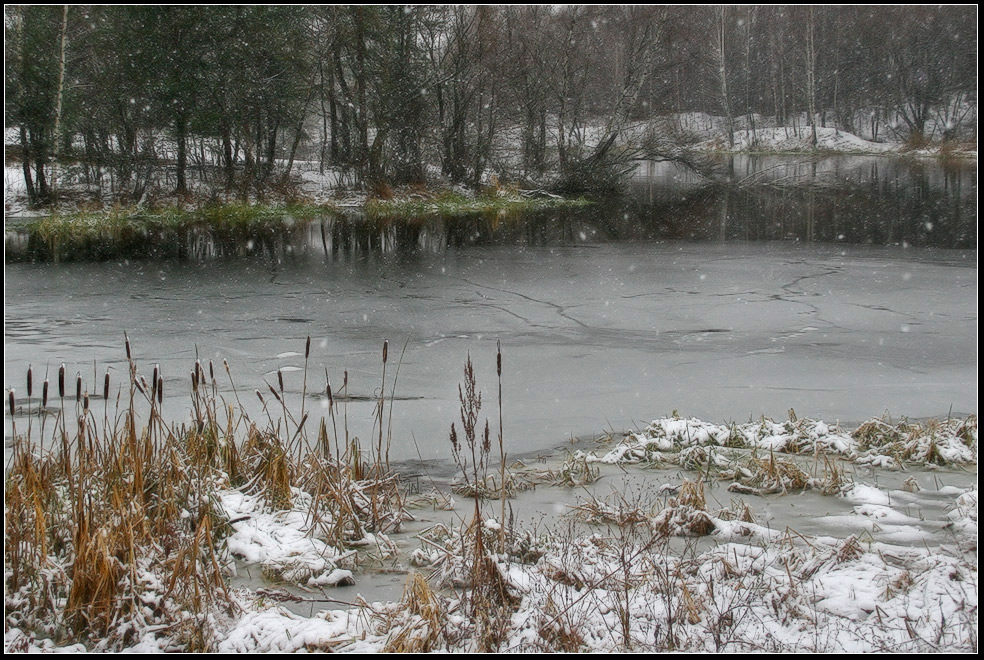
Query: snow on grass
x,y
783,597
964,514
285,544
625,586
277,630
876,442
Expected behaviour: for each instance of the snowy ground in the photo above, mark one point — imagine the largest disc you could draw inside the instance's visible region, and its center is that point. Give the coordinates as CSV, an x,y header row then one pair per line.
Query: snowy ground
x,y
645,568
786,139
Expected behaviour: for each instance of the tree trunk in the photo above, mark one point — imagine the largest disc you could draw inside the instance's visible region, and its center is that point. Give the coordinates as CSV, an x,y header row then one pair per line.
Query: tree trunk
x,y
811,80
181,130
58,102
32,194
720,52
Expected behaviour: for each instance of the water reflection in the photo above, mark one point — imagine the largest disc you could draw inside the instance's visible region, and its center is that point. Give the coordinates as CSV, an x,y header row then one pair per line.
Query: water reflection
x,y
840,199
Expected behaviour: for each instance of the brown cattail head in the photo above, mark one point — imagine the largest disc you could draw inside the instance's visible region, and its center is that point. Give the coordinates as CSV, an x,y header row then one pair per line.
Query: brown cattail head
x,y
385,350
345,381
44,394
61,381
225,363
275,394
160,390
260,397
30,381
498,359
106,386
307,348
85,403
140,386
194,383
78,388
211,371
126,340
198,371
153,379
11,397
280,379
153,387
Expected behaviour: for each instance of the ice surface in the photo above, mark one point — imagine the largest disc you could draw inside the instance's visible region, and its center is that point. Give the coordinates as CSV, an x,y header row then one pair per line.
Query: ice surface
x,y
591,335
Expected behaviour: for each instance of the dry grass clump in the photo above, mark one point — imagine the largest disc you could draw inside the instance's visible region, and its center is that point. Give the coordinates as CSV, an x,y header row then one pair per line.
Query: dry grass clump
x,y
766,476
576,471
615,509
693,444
935,442
420,625
114,520
684,512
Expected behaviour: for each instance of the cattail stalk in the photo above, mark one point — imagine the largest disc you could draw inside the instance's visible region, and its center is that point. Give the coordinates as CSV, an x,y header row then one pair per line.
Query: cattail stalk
x,y
382,403
30,391
502,453
307,354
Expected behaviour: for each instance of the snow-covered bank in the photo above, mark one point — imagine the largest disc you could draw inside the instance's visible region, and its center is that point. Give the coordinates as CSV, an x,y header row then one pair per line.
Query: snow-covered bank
x,y
662,569
788,139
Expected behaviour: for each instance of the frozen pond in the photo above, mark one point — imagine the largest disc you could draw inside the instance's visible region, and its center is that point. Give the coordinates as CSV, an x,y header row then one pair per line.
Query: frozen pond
x,y
678,299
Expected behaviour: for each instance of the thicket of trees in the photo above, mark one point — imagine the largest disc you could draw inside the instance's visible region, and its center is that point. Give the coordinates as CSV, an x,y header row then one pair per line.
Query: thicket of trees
x,y
383,92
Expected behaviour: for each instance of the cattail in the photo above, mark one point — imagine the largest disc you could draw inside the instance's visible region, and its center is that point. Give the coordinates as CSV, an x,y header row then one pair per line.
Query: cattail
x,y
61,381
300,424
498,359
30,381
85,403
225,363
11,402
126,338
211,371
345,382
194,383
153,388
385,349
106,386
44,394
154,377
78,388
139,386
160,390
260,397
198,371
275,394
307,348
280,379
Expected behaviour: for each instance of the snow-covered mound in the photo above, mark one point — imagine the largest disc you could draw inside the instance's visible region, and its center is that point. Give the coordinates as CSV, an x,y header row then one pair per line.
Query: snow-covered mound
x,y
876,442
787,138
